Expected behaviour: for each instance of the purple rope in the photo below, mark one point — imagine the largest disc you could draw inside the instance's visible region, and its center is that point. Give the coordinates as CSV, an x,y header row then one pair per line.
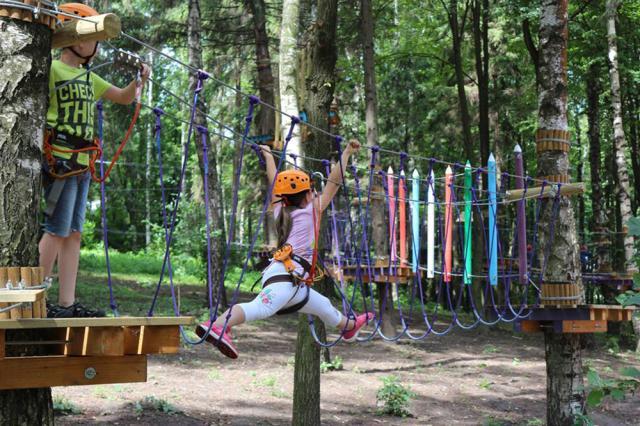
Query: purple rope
x,y
103,208
201,77
203,132
253,101
267,201
158,112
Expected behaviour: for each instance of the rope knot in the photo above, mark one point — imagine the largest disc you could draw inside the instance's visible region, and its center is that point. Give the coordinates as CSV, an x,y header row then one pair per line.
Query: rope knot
x,y
295,119
158,111
375,149
203,75
99,105
254,100
202,130
326,163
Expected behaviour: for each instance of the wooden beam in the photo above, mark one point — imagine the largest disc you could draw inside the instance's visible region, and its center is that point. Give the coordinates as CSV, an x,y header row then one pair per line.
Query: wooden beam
x,y
93,28
96,341
549,191
529,326
94,322
42,372
584,326
17,296
152,340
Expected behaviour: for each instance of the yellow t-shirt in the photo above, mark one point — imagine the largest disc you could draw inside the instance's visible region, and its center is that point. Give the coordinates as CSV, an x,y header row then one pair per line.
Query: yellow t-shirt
x,y
71,108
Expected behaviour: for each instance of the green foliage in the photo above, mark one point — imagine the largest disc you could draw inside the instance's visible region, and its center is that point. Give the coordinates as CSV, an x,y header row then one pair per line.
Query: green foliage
x,y
634,226
617,389
156,404
394,398
489,349
334,365
485,384
64,407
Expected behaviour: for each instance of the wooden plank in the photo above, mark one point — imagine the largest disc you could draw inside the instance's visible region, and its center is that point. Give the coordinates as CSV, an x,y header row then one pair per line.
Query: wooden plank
x,y
25,277
160,340
96,341
549,191
3,283
13,278
17,296
584,326
152,340
529,326
598,314
40,372
92,28
94,322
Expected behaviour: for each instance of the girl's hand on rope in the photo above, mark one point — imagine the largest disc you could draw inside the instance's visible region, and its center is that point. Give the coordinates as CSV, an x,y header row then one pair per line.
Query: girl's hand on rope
x,y
353,146
266,149
145,71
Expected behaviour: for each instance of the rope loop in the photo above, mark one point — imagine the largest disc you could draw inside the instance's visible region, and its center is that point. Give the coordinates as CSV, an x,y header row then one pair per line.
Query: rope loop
x,y
254,100
99,105
203,75
326,163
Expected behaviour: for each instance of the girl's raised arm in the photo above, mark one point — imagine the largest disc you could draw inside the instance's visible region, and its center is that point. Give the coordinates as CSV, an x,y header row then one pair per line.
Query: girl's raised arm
x,y
335,177
271,167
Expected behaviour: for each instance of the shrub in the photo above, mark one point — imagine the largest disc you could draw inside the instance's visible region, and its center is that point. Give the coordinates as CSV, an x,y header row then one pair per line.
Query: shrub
x,y
393,398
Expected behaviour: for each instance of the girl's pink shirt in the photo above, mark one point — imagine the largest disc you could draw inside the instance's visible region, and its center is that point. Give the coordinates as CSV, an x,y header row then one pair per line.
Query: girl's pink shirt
x,y
302,235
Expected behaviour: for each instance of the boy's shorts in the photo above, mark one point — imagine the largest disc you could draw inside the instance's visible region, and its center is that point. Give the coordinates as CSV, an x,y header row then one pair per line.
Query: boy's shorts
x,y
69,212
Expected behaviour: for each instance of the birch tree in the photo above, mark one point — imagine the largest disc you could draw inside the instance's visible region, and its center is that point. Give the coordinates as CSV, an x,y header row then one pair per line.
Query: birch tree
x,y
25,59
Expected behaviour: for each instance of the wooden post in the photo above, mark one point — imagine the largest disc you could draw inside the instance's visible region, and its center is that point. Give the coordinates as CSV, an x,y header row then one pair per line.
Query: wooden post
x,y
101,27
25,276
3,282
13,278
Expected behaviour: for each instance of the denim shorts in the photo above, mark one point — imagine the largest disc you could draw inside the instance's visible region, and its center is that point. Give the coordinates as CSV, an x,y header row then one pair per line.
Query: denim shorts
x,y
68,215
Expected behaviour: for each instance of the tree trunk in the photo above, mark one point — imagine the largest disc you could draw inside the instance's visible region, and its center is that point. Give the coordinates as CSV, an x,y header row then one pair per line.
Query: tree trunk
x,y
147,173
24,76
620,143
481,51
635,151
265,121
287,71
320,55
456,36
565,389
378,235
215,197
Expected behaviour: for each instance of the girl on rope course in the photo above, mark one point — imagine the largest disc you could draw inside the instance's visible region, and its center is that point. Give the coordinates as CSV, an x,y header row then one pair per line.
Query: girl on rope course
x,y
69,150
287,280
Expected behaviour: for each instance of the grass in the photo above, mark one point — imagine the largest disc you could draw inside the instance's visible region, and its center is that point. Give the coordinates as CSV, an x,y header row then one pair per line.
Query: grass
x,y
64,407
135,276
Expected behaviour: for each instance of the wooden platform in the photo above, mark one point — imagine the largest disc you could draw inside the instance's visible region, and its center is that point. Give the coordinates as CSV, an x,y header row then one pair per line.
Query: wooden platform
x,y
380,274
85,351
578,319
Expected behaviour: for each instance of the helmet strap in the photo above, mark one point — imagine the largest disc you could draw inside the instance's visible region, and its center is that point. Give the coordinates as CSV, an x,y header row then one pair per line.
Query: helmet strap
x,y
86,58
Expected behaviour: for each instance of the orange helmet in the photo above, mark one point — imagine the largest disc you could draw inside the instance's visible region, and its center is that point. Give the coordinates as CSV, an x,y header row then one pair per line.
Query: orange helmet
x,y
79,9
291,182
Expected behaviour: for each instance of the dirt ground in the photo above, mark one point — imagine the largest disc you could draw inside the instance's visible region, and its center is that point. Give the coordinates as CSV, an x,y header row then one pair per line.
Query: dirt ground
x,y
480,377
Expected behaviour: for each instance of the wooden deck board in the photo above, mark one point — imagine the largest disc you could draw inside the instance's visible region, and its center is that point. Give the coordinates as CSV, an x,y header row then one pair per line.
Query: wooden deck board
x,y
13,324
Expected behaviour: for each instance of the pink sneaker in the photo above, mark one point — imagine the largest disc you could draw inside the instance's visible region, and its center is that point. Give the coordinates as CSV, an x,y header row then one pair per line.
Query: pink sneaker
x,y
224,343
361,320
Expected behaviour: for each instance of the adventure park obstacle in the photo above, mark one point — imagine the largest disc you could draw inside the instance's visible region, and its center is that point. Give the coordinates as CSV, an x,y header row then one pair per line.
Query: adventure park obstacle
x,y
474,242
